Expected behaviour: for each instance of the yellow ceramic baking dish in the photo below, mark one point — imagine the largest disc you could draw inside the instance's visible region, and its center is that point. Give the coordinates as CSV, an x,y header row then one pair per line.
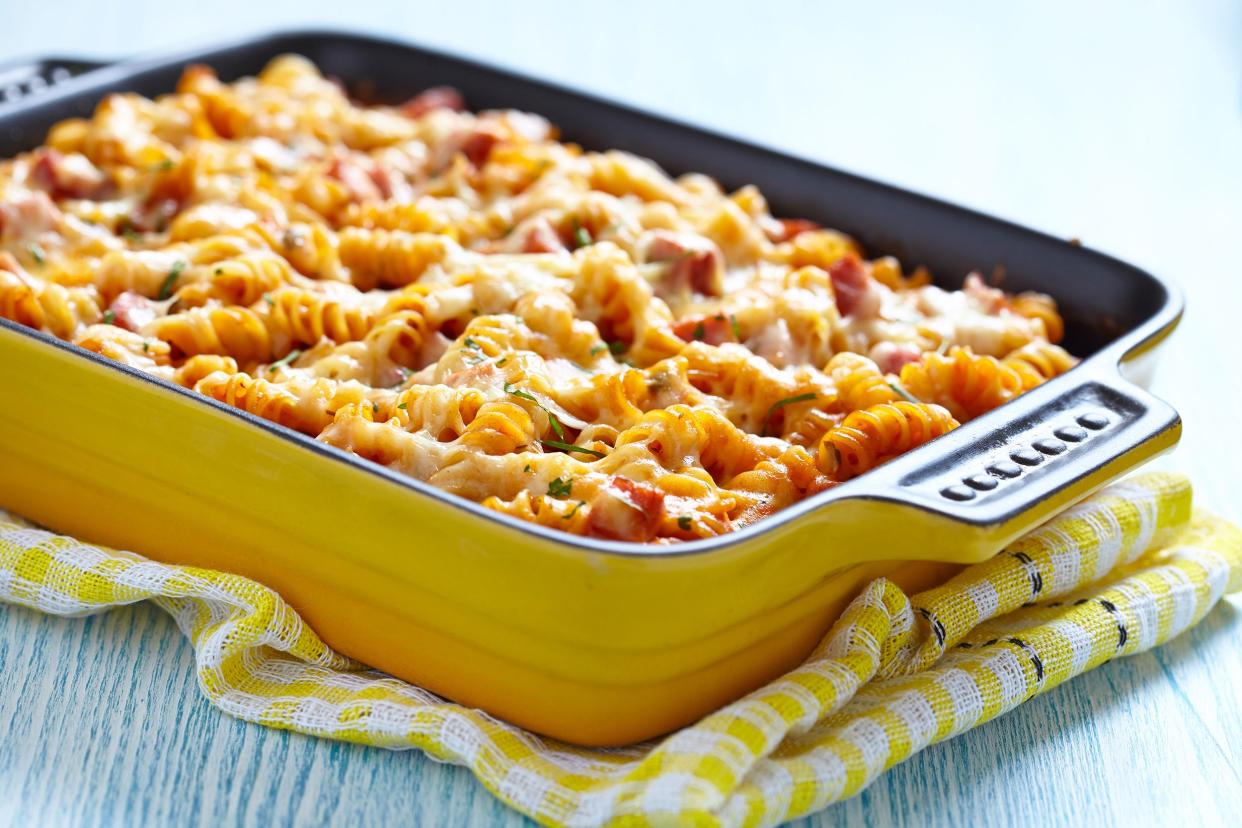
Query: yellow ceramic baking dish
x,y
589,641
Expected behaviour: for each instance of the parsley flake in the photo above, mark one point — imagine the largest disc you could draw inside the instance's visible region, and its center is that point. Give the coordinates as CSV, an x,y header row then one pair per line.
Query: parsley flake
x,y
616,347
683,523
902,392
284,360
582,237
561,489
173,273
401,406
779,404
737,330
470,343
553,420
699,332
527,469
574,510
598,349
36,253
563,446
163,166
109,316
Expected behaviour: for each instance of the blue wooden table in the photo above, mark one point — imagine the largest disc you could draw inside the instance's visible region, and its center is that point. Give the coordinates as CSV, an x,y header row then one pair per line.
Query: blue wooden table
x,y
1121,128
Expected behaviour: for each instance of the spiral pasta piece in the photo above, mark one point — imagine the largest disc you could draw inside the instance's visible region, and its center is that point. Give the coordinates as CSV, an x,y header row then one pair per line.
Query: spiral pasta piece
x,y
872,435
966,384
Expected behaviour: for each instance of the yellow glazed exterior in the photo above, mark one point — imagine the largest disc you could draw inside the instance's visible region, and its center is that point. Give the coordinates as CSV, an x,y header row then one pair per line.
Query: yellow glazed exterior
x,y
587,645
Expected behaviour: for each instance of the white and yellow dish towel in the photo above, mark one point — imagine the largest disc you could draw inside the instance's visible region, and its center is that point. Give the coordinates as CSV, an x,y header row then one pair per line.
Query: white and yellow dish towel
x,y
1118,574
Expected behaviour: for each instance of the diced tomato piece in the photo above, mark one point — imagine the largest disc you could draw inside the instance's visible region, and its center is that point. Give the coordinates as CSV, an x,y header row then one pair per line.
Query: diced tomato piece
x,y
477,145
854,289
714,329
626,510
132,311
696,262
793,227
429,100
63,176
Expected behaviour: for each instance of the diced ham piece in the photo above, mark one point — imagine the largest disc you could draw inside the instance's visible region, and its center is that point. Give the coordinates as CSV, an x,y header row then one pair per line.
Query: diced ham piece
x,y
477,145
27,216
626,510
890,357
541,237
154,215
132,311
714,329
697,263
356,178
66,176
429,100
855,291
990,299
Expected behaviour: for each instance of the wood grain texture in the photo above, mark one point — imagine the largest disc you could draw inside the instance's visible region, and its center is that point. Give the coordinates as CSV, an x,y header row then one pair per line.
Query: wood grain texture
x,y
1108,122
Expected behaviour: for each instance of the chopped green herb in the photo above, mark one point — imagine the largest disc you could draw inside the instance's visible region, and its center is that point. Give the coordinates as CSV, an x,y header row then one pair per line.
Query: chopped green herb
x,y
267,297
401,406
166,288
598,349
109,316
557,444
561,488
36,253
510,388
737,330
374,408
131,235
616,347
474,311
574,510
163,166
219,271
582,237
527,469
284,360
555,423
779,404
552,418
146,346
470,343
501,361
902,392
683,523
699,331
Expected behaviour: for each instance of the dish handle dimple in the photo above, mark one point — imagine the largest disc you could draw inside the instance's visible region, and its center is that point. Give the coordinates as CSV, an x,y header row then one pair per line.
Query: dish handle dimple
x,y
21,80
1001,475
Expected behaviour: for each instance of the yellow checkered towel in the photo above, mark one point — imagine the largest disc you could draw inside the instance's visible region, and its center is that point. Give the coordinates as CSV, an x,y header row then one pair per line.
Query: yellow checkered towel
x,y
1116,575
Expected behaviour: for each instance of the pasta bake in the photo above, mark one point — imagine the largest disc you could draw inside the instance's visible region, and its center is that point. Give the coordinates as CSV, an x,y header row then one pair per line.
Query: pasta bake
x,y
573,338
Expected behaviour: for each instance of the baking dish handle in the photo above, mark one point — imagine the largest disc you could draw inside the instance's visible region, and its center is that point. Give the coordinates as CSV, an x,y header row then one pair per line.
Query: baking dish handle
x,y
24,79
1000,476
